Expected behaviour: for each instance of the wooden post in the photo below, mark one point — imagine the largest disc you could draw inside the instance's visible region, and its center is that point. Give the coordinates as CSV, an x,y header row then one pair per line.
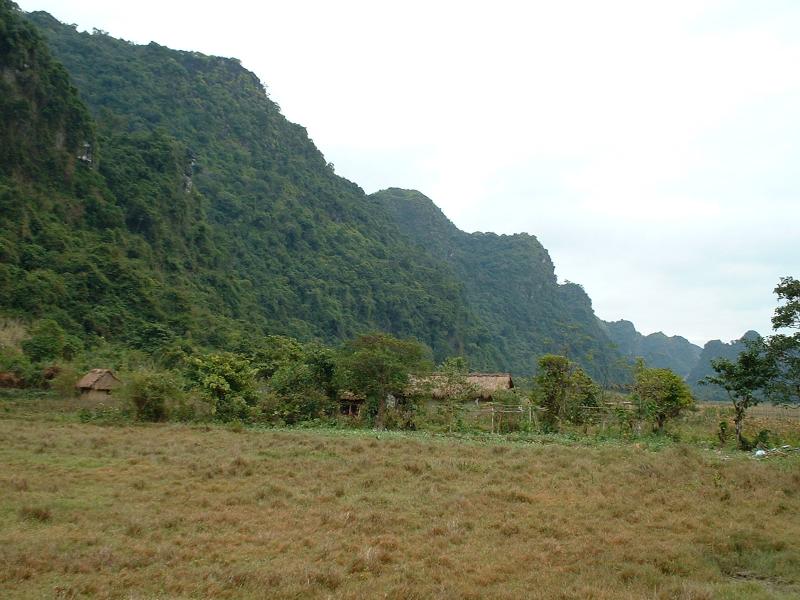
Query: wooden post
x,y
492,418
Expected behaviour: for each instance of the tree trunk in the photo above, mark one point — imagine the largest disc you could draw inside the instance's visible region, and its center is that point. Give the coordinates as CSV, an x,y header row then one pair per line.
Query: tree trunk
x,y
380,417
660,419
738,421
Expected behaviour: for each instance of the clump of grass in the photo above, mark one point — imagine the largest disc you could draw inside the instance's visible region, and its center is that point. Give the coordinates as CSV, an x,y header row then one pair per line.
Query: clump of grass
x,y
20,485
40,514
327,579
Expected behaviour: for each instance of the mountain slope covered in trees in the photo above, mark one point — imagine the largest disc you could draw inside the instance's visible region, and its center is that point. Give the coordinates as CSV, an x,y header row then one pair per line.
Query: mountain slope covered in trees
x,y
165,199
208,215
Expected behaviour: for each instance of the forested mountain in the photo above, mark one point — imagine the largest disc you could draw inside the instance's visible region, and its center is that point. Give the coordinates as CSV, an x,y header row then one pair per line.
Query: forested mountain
x,y
165,199
713,350
207,214
657,349
511,286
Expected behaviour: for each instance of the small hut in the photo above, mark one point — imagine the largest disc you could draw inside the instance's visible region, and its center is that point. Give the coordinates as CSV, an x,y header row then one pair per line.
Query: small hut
x,y
350,404
97,384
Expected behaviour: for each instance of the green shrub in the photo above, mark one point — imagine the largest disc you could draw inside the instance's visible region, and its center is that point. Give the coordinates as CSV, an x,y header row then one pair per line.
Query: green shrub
x,y
46,342
13,361
295,395
64,383
227,381
154,395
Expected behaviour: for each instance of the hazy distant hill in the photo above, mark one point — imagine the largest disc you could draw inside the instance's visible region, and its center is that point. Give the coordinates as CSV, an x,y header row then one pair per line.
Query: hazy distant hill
x,y
658,350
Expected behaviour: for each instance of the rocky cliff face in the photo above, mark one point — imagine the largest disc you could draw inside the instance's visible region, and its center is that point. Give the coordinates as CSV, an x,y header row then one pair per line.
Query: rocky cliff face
x,y
511,287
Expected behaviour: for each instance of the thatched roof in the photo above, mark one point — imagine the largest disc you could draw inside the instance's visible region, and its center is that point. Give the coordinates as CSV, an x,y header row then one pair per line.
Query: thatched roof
x,y
98,379
485,384
489,383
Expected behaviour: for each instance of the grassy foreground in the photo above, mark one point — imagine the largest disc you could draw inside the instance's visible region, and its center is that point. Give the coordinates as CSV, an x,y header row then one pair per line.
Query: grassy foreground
x,y
176,511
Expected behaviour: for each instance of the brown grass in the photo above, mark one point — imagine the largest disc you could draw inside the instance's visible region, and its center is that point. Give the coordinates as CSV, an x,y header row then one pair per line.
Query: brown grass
x,y
177,511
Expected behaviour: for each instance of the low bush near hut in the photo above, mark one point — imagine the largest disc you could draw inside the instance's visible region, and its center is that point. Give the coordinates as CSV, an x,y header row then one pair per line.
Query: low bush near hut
x,y
153,394
228,381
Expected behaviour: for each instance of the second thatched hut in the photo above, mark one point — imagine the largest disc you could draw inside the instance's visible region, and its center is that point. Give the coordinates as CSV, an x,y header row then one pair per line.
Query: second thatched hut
x,y
98,384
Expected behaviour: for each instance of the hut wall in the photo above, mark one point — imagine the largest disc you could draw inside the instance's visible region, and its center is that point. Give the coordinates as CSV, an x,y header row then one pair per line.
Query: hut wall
x,y
96,395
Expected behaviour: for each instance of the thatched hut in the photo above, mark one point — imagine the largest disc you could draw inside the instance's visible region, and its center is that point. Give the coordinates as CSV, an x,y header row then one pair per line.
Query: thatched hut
x,y
97,384
350,404
485,385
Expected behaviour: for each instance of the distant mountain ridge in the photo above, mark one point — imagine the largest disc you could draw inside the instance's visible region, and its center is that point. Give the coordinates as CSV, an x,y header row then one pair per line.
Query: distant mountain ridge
x,y
657,349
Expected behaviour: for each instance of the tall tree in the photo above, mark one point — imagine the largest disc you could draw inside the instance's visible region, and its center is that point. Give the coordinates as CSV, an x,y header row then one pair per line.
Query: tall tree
x,y
378,365
784,348
452,384
744,380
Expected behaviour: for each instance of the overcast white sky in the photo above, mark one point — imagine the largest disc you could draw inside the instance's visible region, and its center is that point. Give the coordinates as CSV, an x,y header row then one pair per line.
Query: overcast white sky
x,y
653,147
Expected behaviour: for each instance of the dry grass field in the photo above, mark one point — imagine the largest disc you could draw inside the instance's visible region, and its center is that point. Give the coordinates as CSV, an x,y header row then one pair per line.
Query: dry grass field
x,y
178,511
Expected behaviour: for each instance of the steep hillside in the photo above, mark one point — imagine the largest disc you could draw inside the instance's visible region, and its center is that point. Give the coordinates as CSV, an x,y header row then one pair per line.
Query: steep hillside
x,y
511,286
205,203
713,350
65,250
186,207
658,350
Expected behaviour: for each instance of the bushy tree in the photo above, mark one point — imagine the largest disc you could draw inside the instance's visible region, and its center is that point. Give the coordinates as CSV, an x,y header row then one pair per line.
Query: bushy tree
x,y
377,365
564,390
273,352
228,382
321,362
153,393
296,395
660,394
552,384
585,396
